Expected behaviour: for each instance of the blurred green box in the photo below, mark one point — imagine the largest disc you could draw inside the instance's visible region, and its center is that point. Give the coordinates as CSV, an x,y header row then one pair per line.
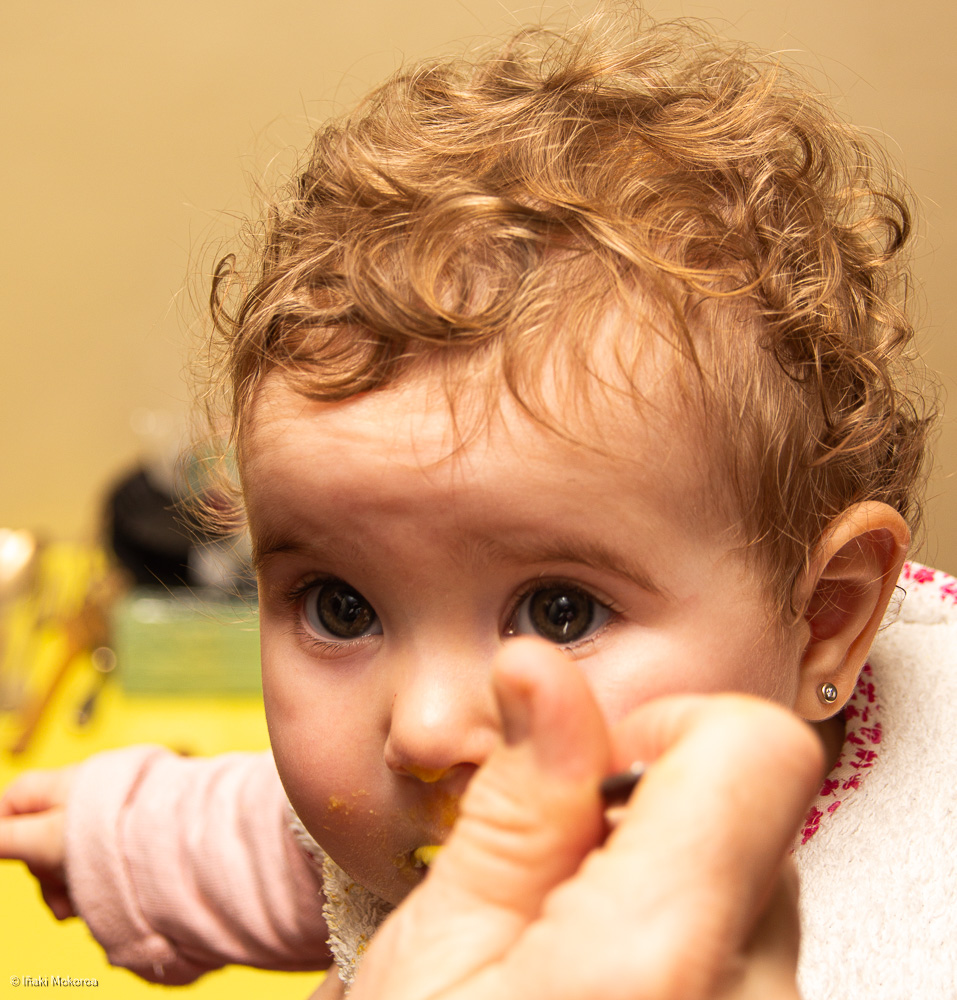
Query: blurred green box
x,y
189,642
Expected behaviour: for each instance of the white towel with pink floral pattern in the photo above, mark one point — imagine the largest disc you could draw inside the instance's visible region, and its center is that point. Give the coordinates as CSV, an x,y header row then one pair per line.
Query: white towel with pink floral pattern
x,y
878,851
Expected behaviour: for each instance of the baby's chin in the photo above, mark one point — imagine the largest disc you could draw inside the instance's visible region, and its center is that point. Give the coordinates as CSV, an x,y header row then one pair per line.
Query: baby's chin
x,y
388,859
394,879
412,869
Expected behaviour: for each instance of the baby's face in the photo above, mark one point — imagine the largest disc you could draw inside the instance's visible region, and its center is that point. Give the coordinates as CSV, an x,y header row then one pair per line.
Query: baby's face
x,y
392,570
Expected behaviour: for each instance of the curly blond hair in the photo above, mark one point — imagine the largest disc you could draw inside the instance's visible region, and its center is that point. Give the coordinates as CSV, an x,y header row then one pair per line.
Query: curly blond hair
x,y
469,204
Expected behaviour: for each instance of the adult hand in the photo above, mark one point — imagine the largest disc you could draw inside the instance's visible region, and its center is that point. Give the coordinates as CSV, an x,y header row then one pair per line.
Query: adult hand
x,y
691,896
32,829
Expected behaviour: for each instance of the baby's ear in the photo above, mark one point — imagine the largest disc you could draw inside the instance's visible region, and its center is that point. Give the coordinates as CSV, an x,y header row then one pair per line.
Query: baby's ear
x,y
843,595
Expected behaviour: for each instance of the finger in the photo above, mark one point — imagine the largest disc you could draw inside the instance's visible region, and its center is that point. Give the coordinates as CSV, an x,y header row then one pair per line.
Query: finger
x,y
534,812
35,791
56,897
528,818
769,965
668,906
36,839
730,783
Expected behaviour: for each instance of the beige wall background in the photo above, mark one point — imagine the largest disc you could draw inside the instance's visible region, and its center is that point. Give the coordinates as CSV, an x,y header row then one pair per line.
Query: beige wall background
x,y
133,133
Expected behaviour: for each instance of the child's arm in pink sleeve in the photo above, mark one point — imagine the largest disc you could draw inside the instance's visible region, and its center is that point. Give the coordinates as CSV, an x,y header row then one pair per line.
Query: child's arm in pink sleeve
x,y
182,865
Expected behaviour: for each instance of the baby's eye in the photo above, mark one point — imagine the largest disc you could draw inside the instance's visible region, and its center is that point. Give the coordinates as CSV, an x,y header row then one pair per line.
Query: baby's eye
x,y
559,613
334,610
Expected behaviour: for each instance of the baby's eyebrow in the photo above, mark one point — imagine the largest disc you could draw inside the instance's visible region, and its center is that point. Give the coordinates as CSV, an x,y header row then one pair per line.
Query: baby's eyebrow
x,y
273,540
263,550
526,548
584,551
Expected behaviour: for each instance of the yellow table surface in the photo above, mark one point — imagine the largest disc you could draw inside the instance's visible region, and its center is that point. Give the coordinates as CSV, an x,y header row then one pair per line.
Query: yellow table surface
x,y
32,942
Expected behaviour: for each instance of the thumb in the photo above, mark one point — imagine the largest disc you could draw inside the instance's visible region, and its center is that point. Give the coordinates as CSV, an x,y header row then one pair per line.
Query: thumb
x,y
533,812
529,817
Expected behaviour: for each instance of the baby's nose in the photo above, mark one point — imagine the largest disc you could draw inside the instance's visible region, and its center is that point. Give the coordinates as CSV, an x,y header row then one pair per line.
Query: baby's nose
x,y
443,715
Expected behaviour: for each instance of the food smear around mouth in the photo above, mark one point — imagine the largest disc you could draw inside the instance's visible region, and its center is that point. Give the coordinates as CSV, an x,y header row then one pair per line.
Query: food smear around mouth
x,y
423,857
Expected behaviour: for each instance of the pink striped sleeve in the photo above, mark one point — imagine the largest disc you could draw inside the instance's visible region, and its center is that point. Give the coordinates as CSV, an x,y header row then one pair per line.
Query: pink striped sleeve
x,y
182,865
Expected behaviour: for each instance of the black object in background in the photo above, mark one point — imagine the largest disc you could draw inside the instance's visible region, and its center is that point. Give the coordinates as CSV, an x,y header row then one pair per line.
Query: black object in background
x,y
147,532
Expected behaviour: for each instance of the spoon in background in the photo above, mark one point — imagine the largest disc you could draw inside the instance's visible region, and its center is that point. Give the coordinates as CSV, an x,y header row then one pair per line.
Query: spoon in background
x,y
103,660
19,563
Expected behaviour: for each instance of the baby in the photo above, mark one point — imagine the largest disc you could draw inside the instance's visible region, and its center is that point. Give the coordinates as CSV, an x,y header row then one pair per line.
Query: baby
x,y
593,339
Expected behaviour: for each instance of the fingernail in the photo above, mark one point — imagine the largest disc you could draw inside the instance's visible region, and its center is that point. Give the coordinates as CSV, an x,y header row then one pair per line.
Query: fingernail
x,y
515,708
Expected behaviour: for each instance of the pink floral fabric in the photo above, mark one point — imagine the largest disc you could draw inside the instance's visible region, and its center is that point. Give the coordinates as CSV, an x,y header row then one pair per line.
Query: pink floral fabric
x,y
862,740
862,714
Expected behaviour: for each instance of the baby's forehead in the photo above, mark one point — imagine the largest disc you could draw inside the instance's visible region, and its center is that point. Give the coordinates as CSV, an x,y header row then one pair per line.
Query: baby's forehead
x,y
441,420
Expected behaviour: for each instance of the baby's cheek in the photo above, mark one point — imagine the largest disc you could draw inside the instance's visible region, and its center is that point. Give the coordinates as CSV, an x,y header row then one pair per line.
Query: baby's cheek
x,y
703,658
342,821
329,789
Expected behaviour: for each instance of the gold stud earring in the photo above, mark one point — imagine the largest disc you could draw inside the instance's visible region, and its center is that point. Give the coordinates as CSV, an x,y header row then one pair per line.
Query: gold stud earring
x,y
827,692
